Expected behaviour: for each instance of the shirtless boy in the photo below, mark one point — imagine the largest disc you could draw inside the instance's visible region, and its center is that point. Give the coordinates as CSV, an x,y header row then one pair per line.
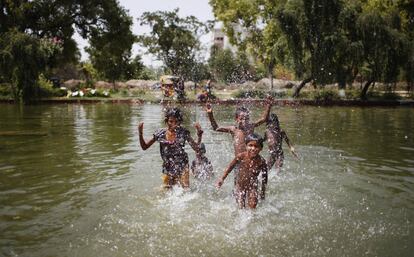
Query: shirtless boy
x,y
243,125
251,165
275,136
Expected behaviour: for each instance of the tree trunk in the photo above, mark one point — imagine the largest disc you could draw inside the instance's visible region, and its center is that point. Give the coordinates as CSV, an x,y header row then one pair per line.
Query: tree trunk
x,y
410,86
364,91
271,81
113,85
301,85
270,71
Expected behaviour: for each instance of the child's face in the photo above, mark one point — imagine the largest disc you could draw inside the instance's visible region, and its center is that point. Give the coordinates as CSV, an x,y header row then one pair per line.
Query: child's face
x,y
243,119
172,123
253,148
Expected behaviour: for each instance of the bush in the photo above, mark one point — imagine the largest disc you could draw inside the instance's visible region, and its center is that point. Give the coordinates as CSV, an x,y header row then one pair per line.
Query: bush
x,y
391,96
124,92
352,94
138,92
278,94
383,96
325,95
46,88
249,94
5,90
304,94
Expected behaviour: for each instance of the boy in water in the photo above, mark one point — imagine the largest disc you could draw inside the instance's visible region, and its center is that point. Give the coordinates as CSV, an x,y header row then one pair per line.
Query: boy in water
x,y
172,140
251,164
275,137
243,125
201,167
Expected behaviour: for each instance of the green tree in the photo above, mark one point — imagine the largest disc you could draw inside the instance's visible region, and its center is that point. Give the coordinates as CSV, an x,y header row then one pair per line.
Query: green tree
x,y
135,68
173,40
22,58
222,64
251,26
112,57
50,20
386,46
313,30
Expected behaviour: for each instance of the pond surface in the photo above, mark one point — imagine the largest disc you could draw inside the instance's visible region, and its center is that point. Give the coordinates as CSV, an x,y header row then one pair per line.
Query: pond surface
x,y
74,182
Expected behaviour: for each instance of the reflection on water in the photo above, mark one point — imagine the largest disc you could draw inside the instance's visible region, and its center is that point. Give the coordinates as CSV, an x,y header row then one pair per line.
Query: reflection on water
x,y
85,188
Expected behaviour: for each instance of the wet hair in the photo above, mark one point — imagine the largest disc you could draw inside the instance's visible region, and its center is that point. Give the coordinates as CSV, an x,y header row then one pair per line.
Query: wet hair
x,y
202,148
173,112
240,110
254,137
273,119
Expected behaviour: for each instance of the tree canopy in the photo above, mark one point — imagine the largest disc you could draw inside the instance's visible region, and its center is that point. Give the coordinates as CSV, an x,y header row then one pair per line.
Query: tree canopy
x,y
173,40
325,41
26,25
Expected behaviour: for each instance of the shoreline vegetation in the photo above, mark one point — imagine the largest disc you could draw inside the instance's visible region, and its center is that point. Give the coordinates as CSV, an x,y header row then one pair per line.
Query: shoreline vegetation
x,y
148,91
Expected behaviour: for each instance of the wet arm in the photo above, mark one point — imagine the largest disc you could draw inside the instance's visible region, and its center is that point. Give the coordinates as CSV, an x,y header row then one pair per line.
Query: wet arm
x,y
210,115
213,122
199,133
144,145
227,171
291,148
194,145
265,116
264,181
216,127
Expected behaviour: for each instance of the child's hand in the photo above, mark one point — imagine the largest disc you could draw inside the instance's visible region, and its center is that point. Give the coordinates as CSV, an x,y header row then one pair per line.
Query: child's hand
x,y
219,183
208,108
292,150
141,127
198,127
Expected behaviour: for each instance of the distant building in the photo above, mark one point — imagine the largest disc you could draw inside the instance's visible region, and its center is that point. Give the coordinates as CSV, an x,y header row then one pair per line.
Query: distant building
x,y
218,37
222,41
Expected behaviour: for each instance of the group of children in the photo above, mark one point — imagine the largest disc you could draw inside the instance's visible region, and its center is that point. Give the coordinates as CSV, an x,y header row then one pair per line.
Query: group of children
x,y
247,164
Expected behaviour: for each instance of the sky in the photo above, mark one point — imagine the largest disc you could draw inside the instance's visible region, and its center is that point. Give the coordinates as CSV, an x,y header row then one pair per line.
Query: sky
x,y
199,8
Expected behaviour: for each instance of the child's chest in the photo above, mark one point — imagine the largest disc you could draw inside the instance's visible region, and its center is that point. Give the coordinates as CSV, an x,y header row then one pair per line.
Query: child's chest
x,y
250,167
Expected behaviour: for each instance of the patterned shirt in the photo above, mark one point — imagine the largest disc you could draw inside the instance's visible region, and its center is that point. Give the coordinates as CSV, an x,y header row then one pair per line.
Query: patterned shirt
x,y
175,159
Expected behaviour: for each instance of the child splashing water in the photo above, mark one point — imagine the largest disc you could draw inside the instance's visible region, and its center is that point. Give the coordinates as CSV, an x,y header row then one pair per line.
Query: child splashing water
x,y
243,126
172,140
251,165
201,166
275,136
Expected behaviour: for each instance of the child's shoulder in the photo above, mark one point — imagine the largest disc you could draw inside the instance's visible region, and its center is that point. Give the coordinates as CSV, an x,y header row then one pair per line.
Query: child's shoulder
x,y
241,155
160,132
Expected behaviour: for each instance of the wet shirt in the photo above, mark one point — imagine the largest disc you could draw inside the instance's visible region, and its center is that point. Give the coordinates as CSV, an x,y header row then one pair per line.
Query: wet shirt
x,y
175,159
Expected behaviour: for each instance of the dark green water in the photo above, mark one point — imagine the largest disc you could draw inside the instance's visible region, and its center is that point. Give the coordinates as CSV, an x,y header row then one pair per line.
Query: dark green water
x,y
74,182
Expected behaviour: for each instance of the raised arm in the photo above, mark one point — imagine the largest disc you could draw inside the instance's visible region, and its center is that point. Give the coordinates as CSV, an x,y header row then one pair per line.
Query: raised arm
x,y
227,171
193,144
199,132
264,181
291,148
265,116
144,145
213,122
